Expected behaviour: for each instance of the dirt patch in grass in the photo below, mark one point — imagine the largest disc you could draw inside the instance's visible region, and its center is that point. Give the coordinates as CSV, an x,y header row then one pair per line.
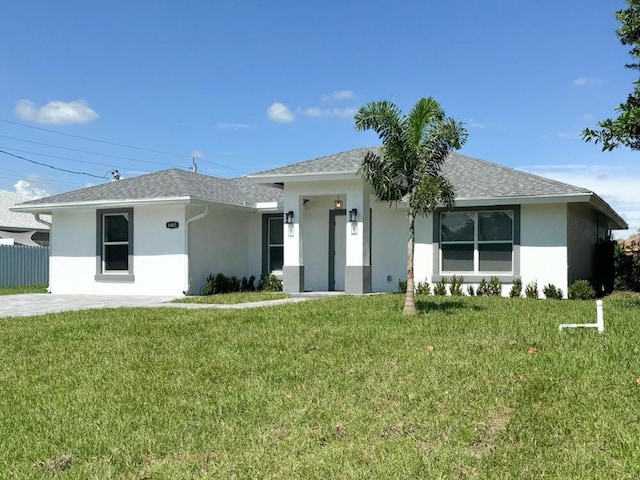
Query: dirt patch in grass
x,y
490,430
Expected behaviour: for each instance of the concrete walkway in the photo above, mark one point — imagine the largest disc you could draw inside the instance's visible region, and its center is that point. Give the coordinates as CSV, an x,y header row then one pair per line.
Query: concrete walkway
x,y
42,303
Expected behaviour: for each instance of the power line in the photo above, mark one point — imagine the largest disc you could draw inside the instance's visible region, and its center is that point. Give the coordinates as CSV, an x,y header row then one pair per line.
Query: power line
x,y
57,157
55,168
85,151
143,149
106,142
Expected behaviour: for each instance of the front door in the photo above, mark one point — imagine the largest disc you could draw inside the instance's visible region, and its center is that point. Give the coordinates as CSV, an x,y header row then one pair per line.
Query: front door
x,y
337,249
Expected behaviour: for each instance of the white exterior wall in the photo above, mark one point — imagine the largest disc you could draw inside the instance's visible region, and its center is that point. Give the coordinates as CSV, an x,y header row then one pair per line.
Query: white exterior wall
x,y
583,231
224,241
159,253
543,245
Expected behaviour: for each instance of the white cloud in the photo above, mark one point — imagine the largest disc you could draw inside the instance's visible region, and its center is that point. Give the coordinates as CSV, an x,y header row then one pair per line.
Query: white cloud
x,y
197,154
25,189
473,124
339,95
586,82
279,112
618,186
56,112
329,112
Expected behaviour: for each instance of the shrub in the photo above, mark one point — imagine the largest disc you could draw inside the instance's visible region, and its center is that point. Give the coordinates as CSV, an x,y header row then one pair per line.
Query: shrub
x,y
581,290
423,288
483,288
516,289
532,290
627,270
470,290
270,283
495,287
248,284
552,292
218,283
440,288
455,289
402,285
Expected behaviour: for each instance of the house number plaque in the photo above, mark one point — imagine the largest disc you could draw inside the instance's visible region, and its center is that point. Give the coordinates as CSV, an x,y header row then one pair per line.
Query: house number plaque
x,y
173,224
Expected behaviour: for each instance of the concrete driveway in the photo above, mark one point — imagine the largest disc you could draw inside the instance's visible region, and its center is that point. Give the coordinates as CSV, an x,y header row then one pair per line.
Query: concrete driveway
x,y
41,303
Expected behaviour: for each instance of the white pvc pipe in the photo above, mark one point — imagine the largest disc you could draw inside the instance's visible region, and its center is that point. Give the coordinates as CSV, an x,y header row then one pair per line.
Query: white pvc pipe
x,y
599,320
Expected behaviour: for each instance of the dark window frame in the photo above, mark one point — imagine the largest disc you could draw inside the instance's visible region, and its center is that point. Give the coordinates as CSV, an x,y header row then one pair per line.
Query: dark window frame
x,y
477,276
115,276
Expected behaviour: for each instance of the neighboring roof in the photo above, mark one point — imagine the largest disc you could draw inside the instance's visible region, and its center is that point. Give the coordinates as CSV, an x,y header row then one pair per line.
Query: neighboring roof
x,y
14,220
169,184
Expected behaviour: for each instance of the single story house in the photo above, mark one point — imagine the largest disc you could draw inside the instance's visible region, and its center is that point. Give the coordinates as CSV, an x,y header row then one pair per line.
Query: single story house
x,y
21,228
319,225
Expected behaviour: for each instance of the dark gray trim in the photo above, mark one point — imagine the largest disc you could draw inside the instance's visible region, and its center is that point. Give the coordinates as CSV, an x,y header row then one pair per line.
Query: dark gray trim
x,y
332,247
357,279
114,278
126,277
293,278
516,240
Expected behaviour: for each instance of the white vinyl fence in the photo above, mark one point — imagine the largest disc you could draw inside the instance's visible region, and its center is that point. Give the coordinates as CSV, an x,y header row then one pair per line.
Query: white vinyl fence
x,y
23,266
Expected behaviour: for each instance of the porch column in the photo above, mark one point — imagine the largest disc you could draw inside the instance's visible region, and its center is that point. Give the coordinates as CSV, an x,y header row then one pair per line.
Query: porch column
x,y
293,267
357,275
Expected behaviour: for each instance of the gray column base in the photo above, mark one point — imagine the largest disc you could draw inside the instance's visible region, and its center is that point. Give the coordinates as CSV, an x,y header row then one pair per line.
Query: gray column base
x,y
357,279
293,278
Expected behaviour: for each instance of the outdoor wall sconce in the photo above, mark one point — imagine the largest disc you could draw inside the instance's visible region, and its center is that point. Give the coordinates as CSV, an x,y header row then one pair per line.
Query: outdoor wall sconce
x,y
338,203
353,215
288,217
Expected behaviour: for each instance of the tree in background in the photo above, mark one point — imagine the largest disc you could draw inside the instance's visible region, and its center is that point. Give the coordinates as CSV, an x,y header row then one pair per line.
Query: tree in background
x,y
625,129
408,168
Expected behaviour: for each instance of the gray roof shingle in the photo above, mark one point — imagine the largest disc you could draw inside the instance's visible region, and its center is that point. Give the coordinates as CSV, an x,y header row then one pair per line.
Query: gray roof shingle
x,y
471,177
170,184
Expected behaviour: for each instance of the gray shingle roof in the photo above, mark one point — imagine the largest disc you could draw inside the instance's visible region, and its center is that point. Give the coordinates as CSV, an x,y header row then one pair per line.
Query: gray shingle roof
x,y
16,220
471,177
170,184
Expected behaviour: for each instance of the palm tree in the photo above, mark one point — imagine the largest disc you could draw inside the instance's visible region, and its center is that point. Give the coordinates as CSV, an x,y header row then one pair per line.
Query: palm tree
x,y
408,168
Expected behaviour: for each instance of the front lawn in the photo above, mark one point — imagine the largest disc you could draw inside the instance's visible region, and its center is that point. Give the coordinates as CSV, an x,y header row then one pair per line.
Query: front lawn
x,y
233,298
21,290
344,387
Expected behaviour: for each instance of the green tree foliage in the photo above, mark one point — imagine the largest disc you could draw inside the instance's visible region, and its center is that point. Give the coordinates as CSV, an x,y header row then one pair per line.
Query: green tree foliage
x,y
625,129
408,168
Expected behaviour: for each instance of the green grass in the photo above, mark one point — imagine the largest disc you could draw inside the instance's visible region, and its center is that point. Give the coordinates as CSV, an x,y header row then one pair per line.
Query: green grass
x,y
21,290
344,387
232,298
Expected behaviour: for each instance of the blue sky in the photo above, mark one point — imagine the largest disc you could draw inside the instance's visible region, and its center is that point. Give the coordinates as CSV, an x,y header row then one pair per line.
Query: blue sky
x,y
250,85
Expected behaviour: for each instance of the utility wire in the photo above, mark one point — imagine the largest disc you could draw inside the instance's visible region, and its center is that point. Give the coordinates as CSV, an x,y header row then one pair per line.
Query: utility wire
x,y
57,157
86,151
55,168
143,149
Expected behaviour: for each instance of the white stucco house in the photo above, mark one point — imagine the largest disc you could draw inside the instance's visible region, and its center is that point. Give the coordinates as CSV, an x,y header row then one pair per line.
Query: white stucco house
x,y
321,227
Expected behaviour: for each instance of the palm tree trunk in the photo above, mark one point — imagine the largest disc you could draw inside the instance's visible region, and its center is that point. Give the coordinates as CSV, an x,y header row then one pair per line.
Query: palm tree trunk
x,y
409,299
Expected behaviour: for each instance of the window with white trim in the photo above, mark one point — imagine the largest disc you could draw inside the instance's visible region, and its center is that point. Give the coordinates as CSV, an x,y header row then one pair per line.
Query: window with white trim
x,y
477,242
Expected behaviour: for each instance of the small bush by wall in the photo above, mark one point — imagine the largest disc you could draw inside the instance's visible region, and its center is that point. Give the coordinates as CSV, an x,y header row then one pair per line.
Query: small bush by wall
x,y
455,288
440,288
516,289
552,292
270,283
581,290
531,291
220,283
